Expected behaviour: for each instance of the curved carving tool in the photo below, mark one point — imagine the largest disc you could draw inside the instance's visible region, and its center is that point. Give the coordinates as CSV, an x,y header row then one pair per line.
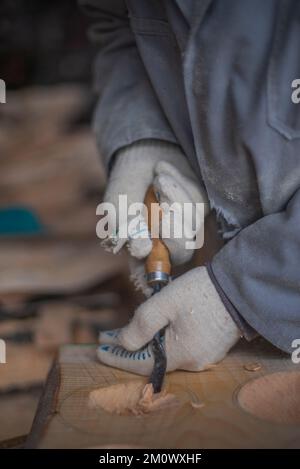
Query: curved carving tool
x,y
158,270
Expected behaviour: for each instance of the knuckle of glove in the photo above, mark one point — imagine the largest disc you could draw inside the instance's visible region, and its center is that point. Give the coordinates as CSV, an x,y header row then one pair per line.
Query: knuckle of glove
x,y
129,340
132,337
140,247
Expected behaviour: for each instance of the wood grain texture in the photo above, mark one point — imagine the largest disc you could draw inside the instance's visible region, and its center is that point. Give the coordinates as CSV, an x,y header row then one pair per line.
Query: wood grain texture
x,y
219,423
25,367
55,266
274,397
17,411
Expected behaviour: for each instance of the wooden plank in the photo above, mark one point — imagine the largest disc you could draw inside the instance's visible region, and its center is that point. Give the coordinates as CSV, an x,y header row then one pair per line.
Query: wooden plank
x,y
46,407
17,411
54,327
219,423
25,367
44,166
13,443
38,266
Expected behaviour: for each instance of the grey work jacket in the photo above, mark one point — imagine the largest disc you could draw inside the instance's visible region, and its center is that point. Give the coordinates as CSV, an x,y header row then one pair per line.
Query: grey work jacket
x,y
215,77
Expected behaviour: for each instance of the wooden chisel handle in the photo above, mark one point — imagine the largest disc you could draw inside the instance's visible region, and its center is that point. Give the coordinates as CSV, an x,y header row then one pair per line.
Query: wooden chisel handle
x,y
158,265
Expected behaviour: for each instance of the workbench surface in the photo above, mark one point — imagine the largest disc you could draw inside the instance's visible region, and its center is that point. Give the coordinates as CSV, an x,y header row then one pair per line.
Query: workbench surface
x,y
65,420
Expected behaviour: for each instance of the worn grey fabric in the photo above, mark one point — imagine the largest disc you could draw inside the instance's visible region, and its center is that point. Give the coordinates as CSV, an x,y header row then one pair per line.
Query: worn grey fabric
x,y
218,83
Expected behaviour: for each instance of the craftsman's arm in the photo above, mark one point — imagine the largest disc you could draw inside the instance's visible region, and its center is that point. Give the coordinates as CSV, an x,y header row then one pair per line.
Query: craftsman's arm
x,y
258,275
128,109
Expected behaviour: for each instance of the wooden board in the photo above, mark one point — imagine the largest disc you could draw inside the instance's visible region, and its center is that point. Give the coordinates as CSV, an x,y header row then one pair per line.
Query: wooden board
x,y
17,411
53,266
25,366
64,419
55,172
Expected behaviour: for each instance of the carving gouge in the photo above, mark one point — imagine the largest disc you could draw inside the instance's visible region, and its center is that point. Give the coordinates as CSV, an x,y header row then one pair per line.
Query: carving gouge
x,y
158,270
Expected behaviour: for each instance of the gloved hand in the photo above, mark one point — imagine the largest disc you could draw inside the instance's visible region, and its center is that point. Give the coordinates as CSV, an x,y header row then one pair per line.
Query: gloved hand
x,y
199,330
137,167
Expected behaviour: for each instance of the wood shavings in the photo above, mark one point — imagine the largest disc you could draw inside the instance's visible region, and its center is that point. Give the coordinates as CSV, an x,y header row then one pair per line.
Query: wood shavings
x,y
197,405
151,402
252,366
195,401
131,398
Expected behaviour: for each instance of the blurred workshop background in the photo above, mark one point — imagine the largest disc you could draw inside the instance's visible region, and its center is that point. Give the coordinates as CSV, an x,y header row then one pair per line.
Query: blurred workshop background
x,y
57,285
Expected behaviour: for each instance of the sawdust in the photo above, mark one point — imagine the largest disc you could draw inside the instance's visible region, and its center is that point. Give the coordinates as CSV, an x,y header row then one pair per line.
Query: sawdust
x,y
131,398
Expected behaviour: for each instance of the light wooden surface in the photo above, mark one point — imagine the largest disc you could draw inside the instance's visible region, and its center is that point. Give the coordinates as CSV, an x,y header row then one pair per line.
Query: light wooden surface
x,y
64,419
55,266
25,366
18,421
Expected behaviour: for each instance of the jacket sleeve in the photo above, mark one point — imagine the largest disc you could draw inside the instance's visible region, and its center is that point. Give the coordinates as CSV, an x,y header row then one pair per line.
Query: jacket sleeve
x,y
258,272
127,109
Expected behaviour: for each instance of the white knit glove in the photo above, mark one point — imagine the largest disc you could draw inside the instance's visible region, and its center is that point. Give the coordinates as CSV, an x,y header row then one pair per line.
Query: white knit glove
x,y
199,330
164,165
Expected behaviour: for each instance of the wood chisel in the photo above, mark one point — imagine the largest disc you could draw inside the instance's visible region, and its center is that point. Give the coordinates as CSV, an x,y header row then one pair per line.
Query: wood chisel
x,y
158,270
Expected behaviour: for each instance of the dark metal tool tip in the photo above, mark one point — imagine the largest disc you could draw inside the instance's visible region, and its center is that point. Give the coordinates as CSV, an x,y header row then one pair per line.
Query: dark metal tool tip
x,y
159,353
160,363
